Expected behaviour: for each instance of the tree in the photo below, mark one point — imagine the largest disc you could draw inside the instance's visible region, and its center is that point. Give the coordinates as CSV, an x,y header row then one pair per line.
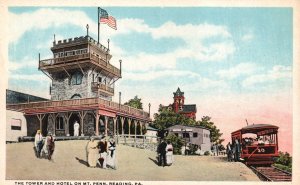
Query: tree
x,y
135,102
177,143
166,118
215,134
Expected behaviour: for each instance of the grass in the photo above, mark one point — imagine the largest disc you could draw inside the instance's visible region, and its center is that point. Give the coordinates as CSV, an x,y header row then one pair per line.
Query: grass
x,y
283,167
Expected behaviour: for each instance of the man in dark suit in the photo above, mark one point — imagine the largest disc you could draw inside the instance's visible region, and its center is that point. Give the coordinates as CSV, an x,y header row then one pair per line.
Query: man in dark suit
x,y
162,161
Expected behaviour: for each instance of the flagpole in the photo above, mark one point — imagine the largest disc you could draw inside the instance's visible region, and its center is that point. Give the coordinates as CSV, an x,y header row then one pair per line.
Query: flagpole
x,y
98,23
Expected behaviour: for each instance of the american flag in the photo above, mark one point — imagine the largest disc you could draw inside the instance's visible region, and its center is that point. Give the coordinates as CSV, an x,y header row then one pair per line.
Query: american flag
x,y
110,21
103,13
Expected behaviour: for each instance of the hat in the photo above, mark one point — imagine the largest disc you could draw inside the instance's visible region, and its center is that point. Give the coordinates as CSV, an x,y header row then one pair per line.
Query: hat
x,y
111,140
38,131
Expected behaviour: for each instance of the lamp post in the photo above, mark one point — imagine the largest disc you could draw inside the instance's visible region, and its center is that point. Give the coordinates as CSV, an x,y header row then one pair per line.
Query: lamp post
x,y
184,135
120,100
87,30
149,108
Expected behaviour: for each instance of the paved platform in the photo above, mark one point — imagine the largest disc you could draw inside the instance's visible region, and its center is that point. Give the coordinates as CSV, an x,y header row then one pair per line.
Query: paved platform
x,y
69,163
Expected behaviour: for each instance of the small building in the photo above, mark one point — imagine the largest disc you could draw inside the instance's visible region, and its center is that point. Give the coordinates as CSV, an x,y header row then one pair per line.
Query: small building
x,y
151,134
178,106
16,125
195,135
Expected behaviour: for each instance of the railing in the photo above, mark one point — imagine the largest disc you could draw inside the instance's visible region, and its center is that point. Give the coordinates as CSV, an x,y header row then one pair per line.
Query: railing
x,y
139,141
80,102
96,86
74,58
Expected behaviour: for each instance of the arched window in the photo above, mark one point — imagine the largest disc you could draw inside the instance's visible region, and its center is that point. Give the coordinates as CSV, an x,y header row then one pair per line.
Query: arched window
x,y
76,96
76,78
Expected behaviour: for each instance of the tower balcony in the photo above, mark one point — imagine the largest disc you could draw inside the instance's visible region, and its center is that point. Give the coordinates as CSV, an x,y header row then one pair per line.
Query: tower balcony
x,y
101,88
85,60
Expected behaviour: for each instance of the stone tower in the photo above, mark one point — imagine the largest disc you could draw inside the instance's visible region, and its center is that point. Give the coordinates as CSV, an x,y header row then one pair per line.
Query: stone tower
x,y
178,100
80,68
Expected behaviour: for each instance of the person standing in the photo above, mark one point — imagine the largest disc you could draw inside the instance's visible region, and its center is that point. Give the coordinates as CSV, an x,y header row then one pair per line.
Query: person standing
x,y
229,152
50,145
103,152
38,143
92,152
214,147
162,152
76,128
111,157
169,154
237,150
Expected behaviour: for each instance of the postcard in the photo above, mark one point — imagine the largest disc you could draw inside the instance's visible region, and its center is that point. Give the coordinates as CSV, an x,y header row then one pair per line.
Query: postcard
x,y
150,93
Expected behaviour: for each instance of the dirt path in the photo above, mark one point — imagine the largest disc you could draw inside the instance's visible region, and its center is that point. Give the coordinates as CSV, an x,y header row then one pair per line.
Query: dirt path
x,y
133,164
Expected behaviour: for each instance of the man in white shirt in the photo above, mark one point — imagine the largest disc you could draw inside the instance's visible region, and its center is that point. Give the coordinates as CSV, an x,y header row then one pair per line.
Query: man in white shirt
x,y
76,128
38,142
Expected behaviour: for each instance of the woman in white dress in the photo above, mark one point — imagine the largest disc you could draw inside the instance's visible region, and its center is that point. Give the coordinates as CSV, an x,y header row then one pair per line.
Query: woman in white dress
x,y
169,154
93,154
111,157
38,143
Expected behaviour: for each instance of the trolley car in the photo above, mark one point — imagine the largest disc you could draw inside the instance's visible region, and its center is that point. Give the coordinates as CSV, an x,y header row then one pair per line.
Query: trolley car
x,y
259,143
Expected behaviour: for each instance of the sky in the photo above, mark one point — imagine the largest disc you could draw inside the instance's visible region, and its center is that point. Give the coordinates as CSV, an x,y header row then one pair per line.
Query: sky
x,y
233,63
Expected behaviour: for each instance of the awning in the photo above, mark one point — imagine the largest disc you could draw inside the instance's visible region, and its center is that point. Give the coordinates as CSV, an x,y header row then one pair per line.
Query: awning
x,y
106,113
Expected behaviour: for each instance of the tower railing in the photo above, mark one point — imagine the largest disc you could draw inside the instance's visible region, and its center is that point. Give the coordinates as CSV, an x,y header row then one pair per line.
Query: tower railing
x,y
79,57
96,86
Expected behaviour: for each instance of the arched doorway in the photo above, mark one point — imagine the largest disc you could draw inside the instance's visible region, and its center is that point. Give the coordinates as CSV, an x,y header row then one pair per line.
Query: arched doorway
x,y
59,125
119,126
45,125
102,125
126,126
110,126
73,118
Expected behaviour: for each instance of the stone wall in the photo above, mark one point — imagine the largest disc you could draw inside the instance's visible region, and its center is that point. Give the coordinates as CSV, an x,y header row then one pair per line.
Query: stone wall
x,y
63,89
51,125
89,125
33,124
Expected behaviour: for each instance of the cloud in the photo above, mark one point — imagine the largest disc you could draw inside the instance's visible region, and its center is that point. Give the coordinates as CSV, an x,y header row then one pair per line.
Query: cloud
x,y
157,75
24,63
129,25
278,72
30,77
49,43
189,32
195,37
238,70
203,84
146,62
247,37
45,18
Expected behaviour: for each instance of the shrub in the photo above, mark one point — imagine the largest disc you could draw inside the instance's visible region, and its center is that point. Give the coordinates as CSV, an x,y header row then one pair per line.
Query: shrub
x,y
176,141
284,159
282,167
206,153
193,148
